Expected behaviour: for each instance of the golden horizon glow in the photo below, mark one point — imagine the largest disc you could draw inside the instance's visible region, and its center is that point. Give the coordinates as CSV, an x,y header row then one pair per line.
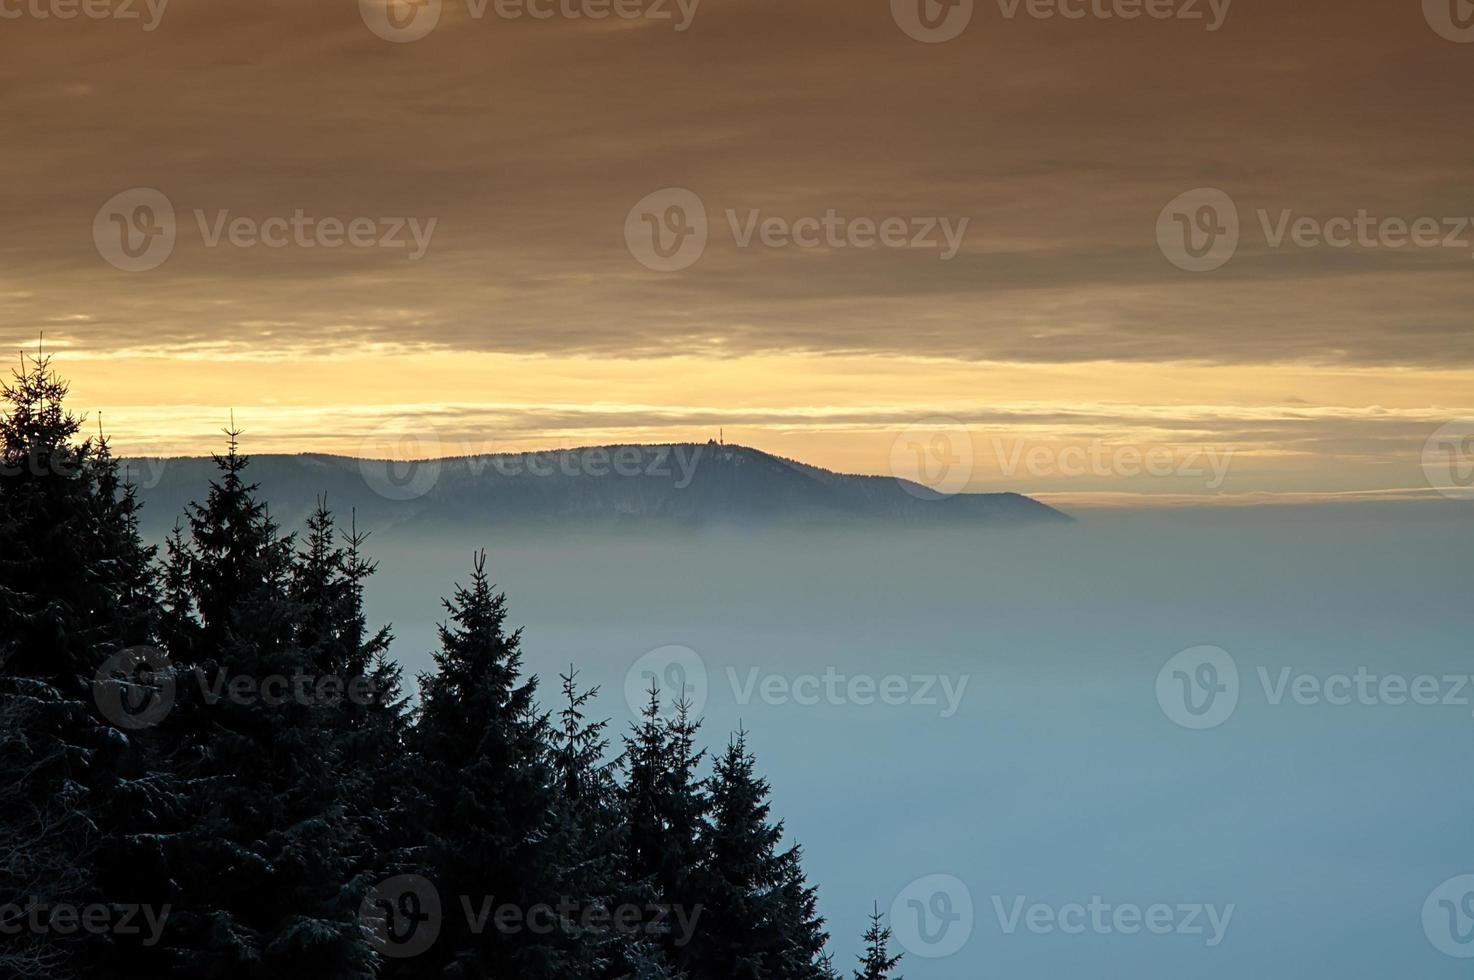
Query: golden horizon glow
x,y
1284,432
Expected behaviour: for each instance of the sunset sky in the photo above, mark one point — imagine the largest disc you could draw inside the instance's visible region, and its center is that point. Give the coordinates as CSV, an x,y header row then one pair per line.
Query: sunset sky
x,y
530,320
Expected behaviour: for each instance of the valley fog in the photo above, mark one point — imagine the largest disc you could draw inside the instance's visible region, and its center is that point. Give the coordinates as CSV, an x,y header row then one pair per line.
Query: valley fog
x,y
980,730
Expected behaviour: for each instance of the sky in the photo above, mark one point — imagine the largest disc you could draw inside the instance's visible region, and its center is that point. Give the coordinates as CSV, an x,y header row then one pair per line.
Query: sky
x,y
1233,238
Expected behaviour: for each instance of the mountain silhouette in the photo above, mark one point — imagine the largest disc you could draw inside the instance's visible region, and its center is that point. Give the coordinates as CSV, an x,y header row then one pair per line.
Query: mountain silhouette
x,y
675,485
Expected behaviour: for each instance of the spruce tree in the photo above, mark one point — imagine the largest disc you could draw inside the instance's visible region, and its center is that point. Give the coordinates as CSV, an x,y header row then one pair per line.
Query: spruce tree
x,y
261,868
76,587
760,920
375,749
367,720
799,921
124,565
876,963
486,776
320,592
178,625
366,651
666,804
75,579
588,829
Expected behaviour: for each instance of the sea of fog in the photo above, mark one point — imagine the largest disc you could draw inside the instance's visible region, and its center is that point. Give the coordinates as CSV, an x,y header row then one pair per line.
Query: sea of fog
x,y
967,727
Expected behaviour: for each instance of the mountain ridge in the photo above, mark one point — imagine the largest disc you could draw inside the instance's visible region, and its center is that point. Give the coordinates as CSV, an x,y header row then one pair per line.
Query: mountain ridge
x,y
616,484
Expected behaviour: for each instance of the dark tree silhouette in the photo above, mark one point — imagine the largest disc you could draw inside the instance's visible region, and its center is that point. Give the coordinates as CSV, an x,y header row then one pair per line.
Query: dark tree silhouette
x,y
485,772
76,588
270,843
760,919
876,963
262,806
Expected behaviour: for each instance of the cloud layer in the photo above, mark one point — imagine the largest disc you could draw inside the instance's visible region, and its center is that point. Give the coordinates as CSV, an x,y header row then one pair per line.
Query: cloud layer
x,y
529,140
